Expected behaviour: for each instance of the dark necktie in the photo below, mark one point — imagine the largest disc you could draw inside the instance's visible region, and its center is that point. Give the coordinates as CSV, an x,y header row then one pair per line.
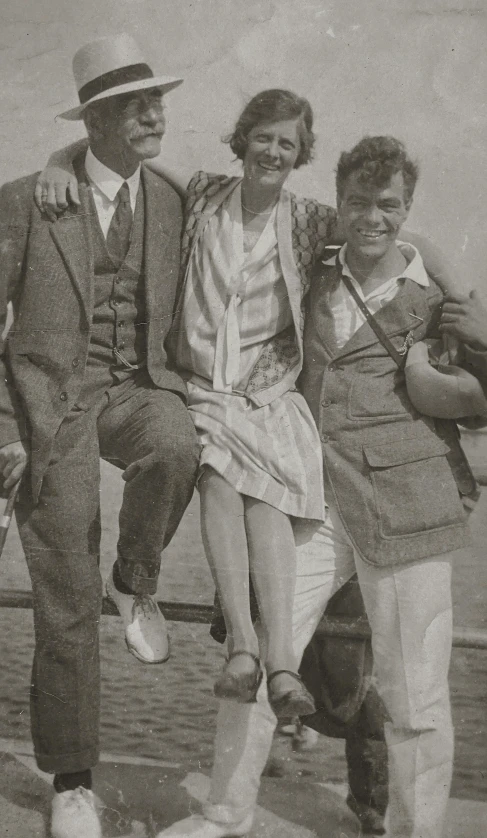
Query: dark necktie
x,y
118,236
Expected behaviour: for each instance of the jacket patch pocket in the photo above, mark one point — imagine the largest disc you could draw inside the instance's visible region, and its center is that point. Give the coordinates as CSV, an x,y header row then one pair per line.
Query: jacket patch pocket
x,y
372,393
413,486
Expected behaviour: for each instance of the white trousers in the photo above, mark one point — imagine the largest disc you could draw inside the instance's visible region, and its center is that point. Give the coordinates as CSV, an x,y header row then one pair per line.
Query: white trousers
x,y
410,613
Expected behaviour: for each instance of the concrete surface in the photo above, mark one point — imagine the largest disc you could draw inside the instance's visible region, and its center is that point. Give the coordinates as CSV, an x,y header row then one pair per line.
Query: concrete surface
x,y
139,797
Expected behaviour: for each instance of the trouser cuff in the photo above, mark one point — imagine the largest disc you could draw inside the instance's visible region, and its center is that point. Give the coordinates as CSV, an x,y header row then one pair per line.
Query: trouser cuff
x,y
68,763
139,578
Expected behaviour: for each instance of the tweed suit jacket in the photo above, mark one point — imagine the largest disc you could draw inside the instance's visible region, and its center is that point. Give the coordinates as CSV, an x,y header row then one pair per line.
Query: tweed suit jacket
x,y
304,228
386,467
46,271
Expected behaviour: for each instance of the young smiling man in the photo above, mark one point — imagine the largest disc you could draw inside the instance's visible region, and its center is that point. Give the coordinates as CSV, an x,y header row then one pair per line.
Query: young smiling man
x,y
395,514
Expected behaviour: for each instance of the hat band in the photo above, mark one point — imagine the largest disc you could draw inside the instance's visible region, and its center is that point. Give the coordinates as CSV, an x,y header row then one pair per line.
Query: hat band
x,y
115,78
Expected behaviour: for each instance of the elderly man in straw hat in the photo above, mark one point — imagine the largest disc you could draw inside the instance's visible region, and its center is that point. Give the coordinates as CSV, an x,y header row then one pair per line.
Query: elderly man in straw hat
x,y
85,374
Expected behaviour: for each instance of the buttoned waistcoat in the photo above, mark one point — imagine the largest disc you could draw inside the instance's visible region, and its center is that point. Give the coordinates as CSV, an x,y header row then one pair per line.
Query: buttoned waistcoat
x,y
385,466
304,228
119,302
46,271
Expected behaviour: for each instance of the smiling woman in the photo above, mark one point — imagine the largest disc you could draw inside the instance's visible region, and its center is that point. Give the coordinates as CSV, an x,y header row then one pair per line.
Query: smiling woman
x,y
271,155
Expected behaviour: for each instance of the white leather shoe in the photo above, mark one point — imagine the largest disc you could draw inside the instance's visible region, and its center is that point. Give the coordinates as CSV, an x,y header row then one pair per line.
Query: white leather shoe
x,y
197,826
74,815
145,627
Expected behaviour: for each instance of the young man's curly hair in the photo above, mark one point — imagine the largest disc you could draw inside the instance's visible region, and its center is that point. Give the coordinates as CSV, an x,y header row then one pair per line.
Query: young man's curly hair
x,y
377,159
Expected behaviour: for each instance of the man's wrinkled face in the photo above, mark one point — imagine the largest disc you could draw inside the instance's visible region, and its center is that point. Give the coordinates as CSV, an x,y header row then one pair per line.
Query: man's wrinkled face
x,y
371,216
132,125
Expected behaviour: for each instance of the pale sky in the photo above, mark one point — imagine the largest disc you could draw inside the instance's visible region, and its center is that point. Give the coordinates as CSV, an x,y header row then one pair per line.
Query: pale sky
x,y
412,68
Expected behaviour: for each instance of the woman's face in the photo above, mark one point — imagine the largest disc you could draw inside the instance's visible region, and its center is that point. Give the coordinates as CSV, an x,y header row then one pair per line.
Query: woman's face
x,y
272,150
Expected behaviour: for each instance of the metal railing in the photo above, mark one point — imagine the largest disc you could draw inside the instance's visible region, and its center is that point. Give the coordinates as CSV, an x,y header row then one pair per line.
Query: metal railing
x,y
191,612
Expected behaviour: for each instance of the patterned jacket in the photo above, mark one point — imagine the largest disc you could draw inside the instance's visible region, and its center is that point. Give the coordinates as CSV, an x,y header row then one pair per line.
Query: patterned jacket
x,y
304,228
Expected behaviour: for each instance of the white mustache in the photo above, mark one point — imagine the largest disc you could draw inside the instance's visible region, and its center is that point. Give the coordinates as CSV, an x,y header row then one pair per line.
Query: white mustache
x,y
138,135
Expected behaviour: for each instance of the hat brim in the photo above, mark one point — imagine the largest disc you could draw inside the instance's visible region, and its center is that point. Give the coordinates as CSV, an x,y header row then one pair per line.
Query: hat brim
x,y
164,82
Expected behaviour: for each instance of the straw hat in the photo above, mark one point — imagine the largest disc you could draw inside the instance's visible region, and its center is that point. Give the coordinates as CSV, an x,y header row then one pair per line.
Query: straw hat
x,y
111,66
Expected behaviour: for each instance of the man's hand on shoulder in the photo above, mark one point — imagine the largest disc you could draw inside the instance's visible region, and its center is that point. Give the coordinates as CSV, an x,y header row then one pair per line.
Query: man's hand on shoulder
x,y
13,460
465,317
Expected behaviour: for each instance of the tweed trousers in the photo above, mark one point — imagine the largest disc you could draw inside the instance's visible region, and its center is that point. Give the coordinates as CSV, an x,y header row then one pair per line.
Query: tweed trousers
x,y
409,610
131,423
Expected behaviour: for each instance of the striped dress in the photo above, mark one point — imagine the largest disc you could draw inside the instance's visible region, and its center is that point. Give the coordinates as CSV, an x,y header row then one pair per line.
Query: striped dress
x,y
235,300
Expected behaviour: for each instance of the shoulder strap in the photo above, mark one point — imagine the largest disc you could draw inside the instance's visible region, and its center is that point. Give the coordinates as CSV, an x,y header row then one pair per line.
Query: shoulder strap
x,y
379,331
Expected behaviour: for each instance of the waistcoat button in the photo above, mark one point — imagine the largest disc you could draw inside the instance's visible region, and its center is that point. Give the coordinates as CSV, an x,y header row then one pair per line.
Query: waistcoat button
x,y
75,362
63,396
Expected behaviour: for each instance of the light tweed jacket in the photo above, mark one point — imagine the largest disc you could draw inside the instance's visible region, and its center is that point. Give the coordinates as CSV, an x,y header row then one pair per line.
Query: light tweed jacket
x,y
394,474
304,228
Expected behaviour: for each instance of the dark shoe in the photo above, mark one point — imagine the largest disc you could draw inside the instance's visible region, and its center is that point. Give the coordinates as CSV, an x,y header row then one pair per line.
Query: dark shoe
x,y
291,703
243,686
371,822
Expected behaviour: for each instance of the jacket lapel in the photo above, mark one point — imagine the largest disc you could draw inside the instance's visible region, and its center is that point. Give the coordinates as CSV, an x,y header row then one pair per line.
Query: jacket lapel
x,y
286,256
212,204
319,309
158,228
72,236
404,313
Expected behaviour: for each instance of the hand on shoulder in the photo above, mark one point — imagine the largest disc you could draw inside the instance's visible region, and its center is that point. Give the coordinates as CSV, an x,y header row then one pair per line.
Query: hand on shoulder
x,y
464,316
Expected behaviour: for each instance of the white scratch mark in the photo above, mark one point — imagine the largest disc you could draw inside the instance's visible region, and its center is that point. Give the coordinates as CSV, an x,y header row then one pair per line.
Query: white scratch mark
x,y
330,32
465,242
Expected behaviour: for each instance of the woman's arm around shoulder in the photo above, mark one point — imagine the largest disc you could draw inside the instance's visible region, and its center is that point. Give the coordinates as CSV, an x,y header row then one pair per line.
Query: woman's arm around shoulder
x,y
176,179
57,184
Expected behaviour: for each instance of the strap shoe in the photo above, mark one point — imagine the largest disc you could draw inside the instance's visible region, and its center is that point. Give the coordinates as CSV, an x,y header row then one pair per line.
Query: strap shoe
x,y
145,627
288,704
239,686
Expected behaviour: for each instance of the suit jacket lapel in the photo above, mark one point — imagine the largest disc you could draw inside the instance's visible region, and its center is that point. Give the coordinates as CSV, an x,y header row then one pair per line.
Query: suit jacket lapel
x,y
73,237
158,227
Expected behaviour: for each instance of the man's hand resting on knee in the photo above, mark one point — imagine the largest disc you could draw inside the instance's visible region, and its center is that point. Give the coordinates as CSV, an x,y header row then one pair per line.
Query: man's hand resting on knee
x,y
13,460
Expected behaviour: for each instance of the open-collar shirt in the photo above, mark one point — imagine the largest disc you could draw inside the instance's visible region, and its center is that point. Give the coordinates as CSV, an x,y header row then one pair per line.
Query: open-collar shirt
x,y
346,313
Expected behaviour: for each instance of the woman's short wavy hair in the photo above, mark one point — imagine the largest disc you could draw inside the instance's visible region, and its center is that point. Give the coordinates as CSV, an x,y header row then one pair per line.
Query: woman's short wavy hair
x,y
274,106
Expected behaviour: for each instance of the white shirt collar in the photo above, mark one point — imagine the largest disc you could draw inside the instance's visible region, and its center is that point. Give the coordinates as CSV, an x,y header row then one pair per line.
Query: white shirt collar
x,y
414,270
109,182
